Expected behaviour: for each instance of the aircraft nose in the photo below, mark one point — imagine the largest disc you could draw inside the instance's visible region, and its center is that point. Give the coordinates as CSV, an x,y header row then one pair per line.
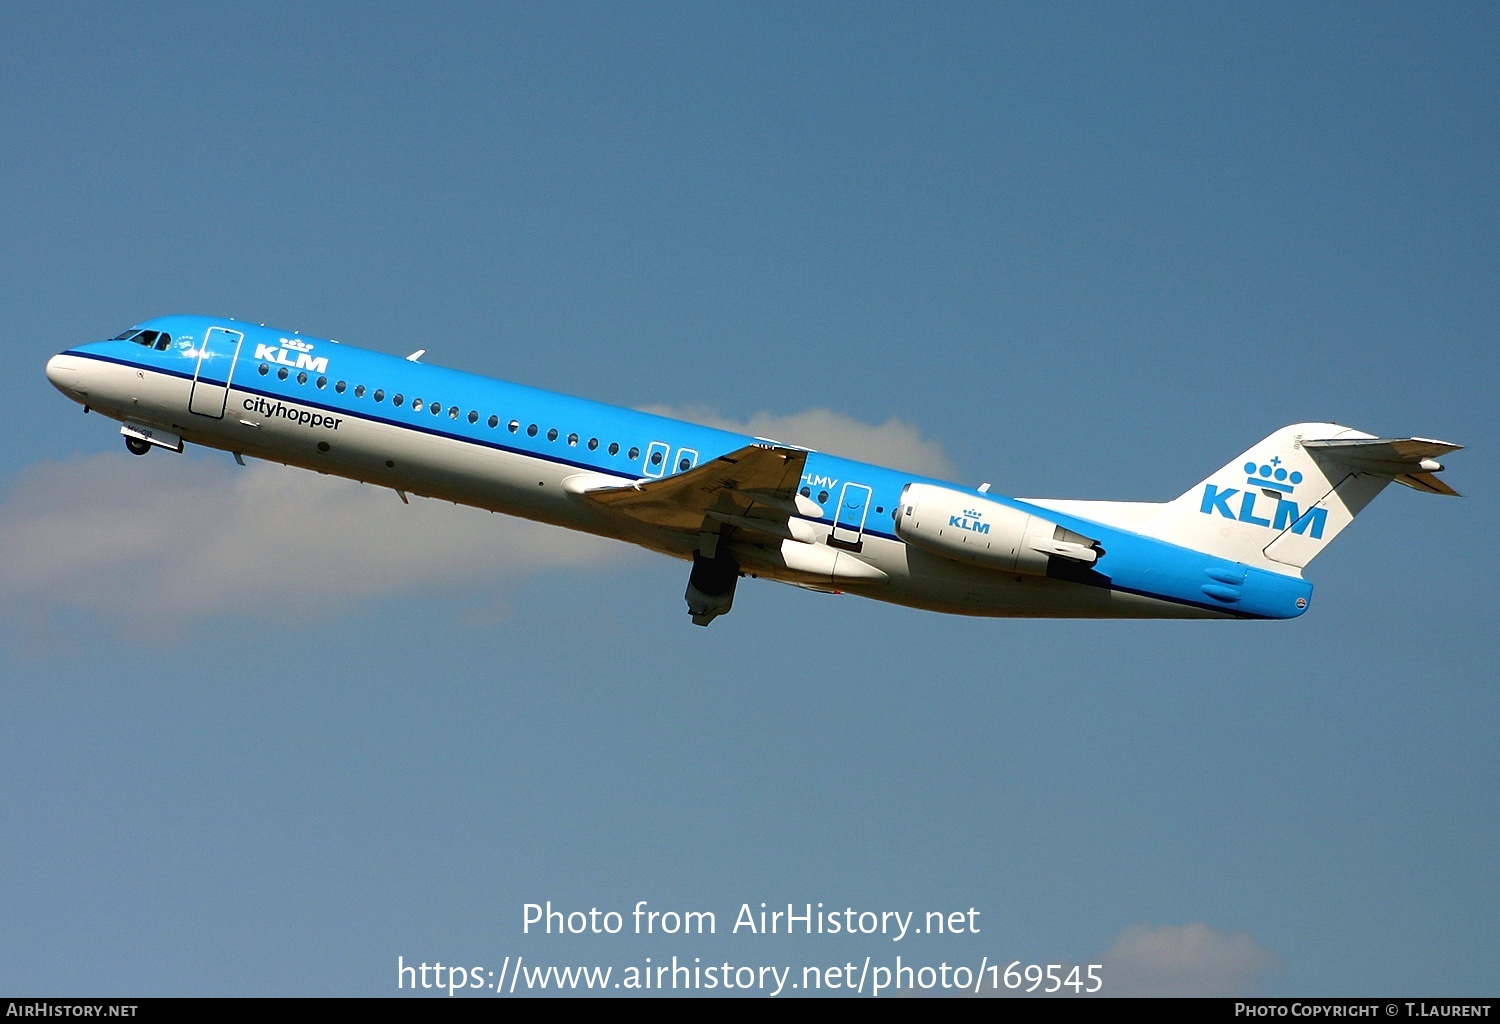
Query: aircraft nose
x,y
65,371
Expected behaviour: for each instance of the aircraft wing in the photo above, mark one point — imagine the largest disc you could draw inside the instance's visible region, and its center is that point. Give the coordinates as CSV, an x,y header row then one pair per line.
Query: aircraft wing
x,y
754,487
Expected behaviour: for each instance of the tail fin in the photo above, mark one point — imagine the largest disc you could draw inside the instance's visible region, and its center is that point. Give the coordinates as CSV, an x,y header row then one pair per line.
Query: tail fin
x,y
1281,502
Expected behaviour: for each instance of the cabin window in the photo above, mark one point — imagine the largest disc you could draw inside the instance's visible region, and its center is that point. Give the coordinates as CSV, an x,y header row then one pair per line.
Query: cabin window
x,y
473,417
416,404
806,492
453,414
572,440
264,369
531,430
614,449
281,374
593,444
494,422
656,458
552,434
515,425
302,377
633,454
379,395
339,387
822,497
437,410
322,383
359,391
397,400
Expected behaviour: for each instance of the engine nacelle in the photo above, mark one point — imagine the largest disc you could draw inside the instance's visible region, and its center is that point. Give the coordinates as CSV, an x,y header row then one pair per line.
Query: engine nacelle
x,y
968,528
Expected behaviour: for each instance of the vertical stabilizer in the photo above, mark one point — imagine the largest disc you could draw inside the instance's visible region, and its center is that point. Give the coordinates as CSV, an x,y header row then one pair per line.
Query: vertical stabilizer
x,y
1286,498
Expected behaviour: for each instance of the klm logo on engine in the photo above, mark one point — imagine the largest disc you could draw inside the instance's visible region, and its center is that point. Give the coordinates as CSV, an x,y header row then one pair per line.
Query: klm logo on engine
x,y
294,352
1260,479
970,520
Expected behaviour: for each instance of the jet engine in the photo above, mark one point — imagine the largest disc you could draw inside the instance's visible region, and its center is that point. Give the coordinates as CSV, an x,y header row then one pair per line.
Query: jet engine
x,y
966,527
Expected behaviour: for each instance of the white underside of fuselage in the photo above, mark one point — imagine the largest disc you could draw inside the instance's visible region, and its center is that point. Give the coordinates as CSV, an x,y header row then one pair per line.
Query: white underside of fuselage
x,y
533,487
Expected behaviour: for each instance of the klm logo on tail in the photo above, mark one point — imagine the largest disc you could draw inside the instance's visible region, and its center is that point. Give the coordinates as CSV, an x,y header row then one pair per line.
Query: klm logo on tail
x,y
1260,479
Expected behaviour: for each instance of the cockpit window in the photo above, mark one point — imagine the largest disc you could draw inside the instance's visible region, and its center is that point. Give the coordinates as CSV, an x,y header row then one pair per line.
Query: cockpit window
x,y
151,339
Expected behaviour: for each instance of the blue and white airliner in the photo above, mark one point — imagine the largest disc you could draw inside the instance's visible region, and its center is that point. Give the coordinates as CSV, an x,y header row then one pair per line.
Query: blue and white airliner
x,y
1233,546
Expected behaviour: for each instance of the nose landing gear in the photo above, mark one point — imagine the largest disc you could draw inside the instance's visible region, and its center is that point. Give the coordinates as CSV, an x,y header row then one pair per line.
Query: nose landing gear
x,y
140,439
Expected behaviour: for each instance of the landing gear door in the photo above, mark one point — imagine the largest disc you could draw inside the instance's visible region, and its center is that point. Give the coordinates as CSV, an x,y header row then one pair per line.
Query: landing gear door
x,y
217,357
849,517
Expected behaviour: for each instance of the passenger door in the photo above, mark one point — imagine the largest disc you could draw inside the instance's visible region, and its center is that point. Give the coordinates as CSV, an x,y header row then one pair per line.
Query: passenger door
x,y
849,517
217,358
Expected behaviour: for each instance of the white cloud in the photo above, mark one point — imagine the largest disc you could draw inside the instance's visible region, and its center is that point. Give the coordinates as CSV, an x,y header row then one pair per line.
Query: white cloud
x,y
892,443
162,538
159,540
1184,960
1172,960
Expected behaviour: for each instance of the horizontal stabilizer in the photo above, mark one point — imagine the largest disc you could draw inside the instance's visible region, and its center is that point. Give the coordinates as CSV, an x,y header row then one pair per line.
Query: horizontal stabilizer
x,y
1280,503
1427,482
1407,460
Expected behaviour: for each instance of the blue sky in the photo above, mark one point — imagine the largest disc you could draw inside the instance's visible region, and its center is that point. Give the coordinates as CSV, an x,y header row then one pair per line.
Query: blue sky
x,y
265,732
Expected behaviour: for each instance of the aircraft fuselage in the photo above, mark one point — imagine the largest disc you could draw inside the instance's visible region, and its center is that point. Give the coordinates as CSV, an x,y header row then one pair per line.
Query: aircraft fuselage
x,y
440,433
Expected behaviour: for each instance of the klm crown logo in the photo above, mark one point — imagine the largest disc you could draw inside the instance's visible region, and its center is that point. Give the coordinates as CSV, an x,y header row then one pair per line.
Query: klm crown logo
x,y
1272,481
1273,475
971,520
296,345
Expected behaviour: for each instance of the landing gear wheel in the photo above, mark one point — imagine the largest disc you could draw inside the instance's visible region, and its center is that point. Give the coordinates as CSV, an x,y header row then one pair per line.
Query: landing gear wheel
x,y
136,445
710,590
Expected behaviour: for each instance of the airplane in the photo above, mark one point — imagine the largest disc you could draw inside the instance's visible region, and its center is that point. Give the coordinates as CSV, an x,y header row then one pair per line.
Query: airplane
x,y
1231,547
